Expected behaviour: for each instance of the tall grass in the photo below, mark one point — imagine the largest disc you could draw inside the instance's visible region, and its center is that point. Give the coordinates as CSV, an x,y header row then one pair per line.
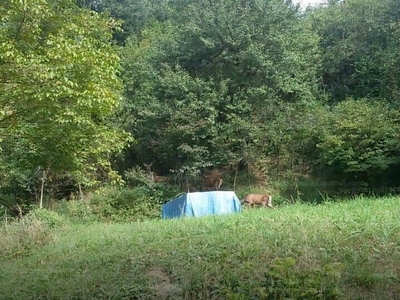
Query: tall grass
x,y
345,250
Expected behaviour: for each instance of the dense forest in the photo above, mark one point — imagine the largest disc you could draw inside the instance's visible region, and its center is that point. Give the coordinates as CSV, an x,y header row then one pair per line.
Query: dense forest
x,y
101,93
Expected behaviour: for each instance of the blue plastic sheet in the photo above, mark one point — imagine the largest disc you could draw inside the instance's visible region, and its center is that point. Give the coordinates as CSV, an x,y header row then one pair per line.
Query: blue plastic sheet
x,y
202,204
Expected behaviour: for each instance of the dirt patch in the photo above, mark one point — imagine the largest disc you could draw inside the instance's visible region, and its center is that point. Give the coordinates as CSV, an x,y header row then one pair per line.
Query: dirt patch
x,y
163,287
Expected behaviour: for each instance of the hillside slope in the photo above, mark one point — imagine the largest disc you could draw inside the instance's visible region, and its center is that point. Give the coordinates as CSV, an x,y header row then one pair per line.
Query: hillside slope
x,y
336,250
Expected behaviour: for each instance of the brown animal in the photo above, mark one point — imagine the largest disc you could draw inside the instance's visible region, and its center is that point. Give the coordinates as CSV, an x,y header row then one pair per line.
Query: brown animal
x,y
211,184
253,199
154,177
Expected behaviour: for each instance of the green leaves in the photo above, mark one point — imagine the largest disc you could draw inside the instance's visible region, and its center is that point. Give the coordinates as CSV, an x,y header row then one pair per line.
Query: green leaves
x,y
360,136
358,39
58,88
211,79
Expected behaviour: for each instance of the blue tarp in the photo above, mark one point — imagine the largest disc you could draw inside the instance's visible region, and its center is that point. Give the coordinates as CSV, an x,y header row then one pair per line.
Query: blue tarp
x,y
202,204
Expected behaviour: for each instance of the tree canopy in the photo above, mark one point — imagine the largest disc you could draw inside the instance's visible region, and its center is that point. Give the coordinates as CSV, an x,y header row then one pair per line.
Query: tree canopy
x,y
200,85
208,87
59,86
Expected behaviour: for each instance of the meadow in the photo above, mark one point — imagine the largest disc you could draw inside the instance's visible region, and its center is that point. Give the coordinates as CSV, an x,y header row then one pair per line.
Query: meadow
x,y
346,249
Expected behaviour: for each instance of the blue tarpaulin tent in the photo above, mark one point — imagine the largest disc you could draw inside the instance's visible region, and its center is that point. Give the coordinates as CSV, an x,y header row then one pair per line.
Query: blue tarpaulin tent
x,y
202,204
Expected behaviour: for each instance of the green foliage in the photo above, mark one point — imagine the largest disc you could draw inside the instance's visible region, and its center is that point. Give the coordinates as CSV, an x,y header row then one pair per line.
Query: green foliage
x,y
205,85
360,137
136,176
342,250
131,204
211,84
76,212
358,40
203,89
283,280
31,232
135,14
46,217
58,90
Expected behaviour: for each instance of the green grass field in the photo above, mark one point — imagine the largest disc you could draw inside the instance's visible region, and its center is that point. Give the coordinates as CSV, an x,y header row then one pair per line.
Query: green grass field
x,y
342,250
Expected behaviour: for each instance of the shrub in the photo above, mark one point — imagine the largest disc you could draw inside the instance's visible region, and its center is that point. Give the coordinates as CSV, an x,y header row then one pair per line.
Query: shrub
x,y
131,204
46,217
76,211
34,230
284,281
350,147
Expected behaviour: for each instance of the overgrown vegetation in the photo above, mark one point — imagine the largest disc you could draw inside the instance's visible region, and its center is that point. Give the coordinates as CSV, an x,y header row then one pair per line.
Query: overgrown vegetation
x,y
108,109
33,231
258,92
342,250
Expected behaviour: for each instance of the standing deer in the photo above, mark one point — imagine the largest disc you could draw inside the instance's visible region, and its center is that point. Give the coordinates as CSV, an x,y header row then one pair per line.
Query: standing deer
x,y
253,199
154,177
211,183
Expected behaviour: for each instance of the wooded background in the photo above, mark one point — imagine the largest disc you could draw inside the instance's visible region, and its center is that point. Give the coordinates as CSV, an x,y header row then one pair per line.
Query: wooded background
x,y
91,90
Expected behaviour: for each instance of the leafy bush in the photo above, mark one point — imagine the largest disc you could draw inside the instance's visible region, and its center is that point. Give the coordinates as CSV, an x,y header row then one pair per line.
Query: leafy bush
x,y
284,281
76,211
34,230
136,176
131,204
48,218
359,138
